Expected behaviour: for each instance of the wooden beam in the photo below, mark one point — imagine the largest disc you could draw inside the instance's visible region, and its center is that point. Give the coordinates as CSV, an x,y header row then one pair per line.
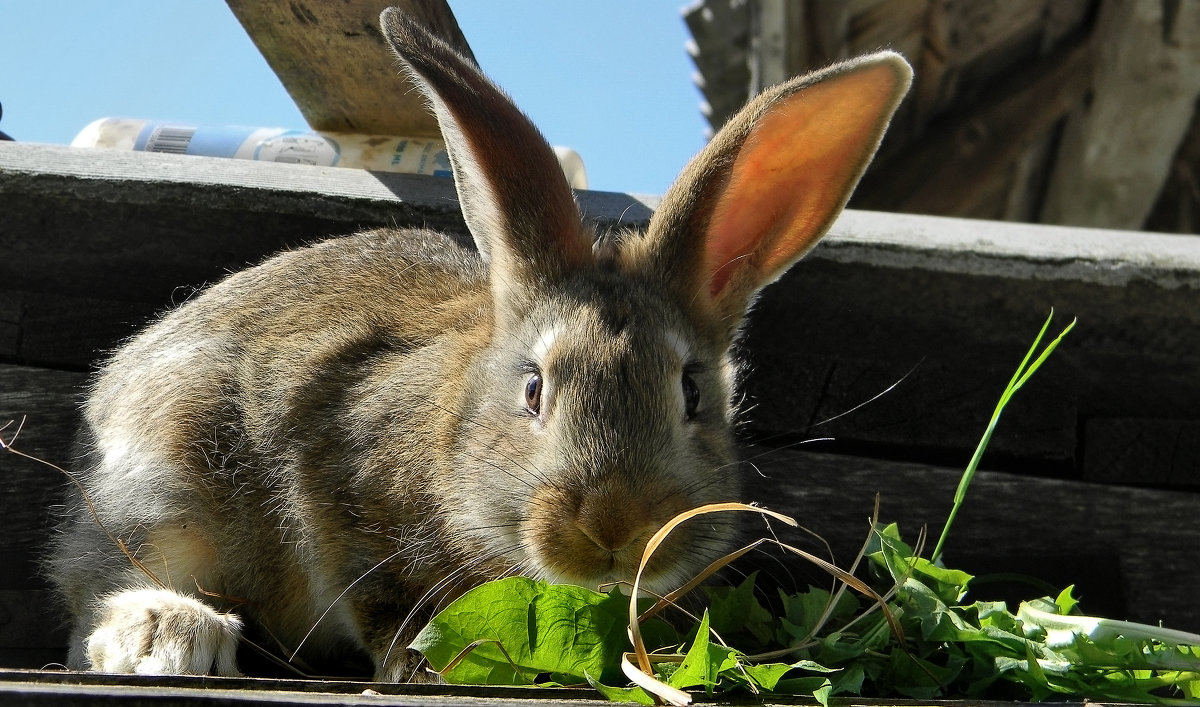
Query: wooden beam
x,y
1178,207
120,235
1100,532
1116,153
897,24
333,60
770,43
828,23
964,165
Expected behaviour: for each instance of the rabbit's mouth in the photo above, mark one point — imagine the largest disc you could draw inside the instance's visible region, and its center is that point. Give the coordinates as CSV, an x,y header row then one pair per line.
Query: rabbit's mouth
x,y
601,539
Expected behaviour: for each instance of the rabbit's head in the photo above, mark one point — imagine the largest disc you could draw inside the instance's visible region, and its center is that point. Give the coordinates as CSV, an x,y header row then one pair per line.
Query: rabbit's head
x,y
600,401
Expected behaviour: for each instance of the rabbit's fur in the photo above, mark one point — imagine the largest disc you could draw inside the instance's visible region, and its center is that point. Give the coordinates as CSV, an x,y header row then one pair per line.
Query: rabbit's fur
x,y
378,422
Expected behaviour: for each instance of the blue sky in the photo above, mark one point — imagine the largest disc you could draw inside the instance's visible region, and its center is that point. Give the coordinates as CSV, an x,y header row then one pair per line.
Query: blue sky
x,y
610,79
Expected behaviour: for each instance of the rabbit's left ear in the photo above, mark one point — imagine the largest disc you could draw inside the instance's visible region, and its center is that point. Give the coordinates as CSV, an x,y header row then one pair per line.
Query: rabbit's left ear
x,y
772,181
514,196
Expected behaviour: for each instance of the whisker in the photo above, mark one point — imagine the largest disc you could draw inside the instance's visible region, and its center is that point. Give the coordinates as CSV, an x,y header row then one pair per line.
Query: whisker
x,y
438,591
350,586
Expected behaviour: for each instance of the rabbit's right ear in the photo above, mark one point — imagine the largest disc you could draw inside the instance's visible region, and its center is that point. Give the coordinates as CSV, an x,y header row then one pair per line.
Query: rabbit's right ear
x,y
771,182
513,193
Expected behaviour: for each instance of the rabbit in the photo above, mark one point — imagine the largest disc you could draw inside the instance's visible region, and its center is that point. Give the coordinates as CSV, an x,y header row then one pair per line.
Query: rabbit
x,y
320,450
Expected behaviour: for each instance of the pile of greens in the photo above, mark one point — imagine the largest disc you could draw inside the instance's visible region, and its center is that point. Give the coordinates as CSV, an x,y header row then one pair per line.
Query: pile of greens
x,y
520,632
911,634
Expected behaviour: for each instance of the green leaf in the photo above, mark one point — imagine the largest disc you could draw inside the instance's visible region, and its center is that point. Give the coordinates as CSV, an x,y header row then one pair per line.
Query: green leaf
x,y
803,686
918,678
802,611
1065,602
824,692
767,675
849,681
703,662
565,631
738,616
621,694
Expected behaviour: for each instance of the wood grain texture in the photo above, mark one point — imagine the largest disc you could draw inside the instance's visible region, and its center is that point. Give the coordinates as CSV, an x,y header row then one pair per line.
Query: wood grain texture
x,y
964,166
97,242
994,133
30,687
1116,151
43,404
334,62
1152,450
1131,552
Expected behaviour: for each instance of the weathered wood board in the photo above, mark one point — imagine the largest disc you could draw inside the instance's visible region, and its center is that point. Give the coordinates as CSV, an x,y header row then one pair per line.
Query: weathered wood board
x,y
97,242
44,688
1131,552
1052,111
328,56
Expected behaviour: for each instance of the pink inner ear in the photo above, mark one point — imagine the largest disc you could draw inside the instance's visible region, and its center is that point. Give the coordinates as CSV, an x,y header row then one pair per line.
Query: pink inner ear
x,y
795,171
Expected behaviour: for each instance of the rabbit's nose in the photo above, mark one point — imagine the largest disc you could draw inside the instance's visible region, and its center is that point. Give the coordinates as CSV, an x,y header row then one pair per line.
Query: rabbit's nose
x,y
616,522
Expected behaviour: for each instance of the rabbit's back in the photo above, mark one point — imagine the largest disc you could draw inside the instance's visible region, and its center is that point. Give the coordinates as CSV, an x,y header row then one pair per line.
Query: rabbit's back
x,y
218,378
207,437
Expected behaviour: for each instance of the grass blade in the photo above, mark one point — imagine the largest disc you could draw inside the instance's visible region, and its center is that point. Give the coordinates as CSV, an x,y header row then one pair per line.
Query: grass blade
x,y
1019,377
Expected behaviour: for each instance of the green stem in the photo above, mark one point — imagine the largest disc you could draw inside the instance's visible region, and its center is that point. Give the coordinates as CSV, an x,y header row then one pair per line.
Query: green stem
x,y
1022,374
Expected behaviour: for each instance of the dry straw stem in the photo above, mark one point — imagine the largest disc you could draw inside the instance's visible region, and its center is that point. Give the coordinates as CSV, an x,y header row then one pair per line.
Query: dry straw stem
x,y
475,644
643,673
118,542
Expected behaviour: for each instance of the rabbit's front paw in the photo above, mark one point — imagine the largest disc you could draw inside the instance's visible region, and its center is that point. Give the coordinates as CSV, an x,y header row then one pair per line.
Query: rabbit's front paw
x,y
160,632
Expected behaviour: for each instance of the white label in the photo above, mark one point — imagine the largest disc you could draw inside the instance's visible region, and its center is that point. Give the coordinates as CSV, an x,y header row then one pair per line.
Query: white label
x,y
298,148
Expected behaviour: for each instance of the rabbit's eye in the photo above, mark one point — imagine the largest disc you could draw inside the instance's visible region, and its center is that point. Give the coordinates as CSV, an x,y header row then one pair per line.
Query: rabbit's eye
x,y
691,396
533,394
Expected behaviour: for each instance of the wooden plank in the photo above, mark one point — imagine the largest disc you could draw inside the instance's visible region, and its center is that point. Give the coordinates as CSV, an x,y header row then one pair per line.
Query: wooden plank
x,y
32,630
1130,552
967,44
333,61
66,331
1062,531
1178,207
988,27
899,24
960,330
1029,177
1115,155
970,153
42,404
19,688
135,227
828,23
936,76
1161,452
889,407
96,242
1062,18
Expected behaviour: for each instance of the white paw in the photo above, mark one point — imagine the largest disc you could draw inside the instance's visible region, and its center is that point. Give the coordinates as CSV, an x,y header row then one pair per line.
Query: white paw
x,y
159,632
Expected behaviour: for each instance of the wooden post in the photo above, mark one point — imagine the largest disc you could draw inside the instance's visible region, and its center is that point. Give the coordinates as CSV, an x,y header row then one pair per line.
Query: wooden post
x,y
1115,154
332,59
